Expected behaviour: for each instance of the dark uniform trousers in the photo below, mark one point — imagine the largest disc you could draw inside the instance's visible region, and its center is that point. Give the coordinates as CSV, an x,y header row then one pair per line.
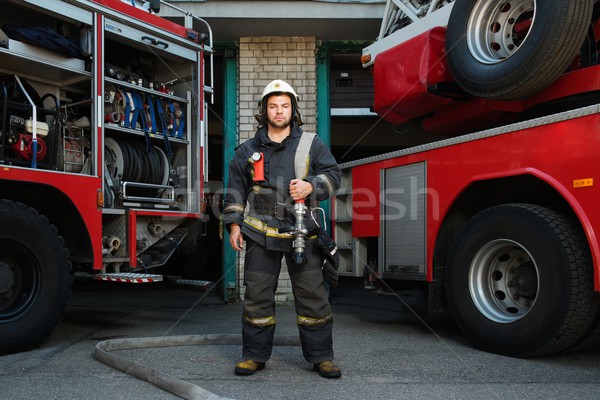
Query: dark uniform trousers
x,y
314,317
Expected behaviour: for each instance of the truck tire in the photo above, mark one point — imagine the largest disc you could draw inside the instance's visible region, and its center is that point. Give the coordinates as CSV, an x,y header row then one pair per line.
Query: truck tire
x,y
35,277
591,340
512,49
520,281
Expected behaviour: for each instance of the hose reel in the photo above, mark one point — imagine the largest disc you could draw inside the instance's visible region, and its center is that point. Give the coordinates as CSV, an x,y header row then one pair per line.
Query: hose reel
x,y
138,172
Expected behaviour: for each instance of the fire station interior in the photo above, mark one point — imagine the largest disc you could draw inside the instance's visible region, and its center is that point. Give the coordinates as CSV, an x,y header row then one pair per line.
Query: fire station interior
x,y
356,132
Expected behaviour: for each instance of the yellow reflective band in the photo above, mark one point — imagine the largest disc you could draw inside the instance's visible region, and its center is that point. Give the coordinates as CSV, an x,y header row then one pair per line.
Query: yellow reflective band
x,y
267,230
234,208
307,321
265,321
327,183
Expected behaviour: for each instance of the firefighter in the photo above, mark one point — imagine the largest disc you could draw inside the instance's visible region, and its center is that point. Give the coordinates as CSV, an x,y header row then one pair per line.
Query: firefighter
x,y
262,175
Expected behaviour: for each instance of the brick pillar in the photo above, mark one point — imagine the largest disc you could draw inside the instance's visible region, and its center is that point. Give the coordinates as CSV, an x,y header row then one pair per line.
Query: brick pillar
x,y
263,59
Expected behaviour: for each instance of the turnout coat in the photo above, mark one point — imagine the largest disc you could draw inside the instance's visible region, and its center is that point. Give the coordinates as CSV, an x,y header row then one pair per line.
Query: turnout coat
x,y
269,201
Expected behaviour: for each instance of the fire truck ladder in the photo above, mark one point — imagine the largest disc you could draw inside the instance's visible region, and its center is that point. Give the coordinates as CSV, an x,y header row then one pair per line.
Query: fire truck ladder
x,y
405,19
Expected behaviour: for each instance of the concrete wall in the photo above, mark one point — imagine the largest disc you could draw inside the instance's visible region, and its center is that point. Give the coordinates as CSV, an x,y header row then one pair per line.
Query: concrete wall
x,y
261,60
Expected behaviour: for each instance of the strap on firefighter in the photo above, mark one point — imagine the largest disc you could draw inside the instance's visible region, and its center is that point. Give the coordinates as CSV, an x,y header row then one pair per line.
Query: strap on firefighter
x,y
301,159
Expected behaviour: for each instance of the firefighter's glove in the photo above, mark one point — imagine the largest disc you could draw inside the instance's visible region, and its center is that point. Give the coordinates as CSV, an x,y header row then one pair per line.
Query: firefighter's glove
x,y
331,257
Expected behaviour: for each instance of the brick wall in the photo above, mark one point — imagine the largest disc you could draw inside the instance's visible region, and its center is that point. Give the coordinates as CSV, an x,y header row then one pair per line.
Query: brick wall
x,y
261,60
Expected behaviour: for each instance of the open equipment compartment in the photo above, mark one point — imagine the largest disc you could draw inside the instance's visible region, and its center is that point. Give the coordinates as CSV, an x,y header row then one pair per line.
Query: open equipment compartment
x,y
45,75
150,89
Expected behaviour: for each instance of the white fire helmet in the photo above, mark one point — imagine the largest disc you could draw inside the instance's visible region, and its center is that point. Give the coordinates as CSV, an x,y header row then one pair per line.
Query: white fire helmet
x,y
278,87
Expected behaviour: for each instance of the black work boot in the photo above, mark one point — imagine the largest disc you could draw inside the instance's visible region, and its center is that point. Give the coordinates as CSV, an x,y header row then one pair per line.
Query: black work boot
x,y
248,367
328,369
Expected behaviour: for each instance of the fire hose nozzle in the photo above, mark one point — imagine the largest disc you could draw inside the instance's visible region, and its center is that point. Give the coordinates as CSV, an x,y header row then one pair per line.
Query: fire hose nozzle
x,y
299,232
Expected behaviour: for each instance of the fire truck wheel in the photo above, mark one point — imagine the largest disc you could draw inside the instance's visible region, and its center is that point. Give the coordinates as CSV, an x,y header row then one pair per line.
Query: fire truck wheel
x,y
520,281
512,49
35,279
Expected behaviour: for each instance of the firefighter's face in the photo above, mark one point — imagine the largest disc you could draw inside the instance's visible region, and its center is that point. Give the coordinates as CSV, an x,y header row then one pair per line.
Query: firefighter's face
x,y
279,111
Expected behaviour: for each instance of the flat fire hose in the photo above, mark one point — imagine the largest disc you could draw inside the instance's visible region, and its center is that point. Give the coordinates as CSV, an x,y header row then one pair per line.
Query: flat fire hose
x,y
173,385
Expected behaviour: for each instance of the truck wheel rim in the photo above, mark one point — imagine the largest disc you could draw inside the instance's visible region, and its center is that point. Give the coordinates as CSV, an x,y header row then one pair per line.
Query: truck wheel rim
x,y
503,281
18,293
497,29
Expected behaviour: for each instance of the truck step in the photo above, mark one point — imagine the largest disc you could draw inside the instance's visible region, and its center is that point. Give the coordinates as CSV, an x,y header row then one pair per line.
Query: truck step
x,y
129,277
206,285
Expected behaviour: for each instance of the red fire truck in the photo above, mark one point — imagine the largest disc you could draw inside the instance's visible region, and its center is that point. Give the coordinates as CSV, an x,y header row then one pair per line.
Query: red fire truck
x,y
102,149
498,216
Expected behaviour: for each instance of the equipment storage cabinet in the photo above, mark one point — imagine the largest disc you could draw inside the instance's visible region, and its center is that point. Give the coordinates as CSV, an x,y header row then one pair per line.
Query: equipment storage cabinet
x,y
102,145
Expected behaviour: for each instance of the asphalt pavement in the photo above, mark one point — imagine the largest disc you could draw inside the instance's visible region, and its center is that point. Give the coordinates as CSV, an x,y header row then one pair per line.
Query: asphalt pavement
x,y
386,351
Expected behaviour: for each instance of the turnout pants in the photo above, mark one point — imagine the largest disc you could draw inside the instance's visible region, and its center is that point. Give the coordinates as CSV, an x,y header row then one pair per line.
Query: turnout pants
x,y
314,317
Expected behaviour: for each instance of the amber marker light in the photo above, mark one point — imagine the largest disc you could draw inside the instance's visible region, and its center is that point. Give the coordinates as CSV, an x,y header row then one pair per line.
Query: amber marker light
x,y
580,183
365,58
100,198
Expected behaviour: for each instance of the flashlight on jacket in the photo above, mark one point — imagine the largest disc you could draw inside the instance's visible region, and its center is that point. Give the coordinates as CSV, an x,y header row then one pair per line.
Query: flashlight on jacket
x,y
300,232
258,163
